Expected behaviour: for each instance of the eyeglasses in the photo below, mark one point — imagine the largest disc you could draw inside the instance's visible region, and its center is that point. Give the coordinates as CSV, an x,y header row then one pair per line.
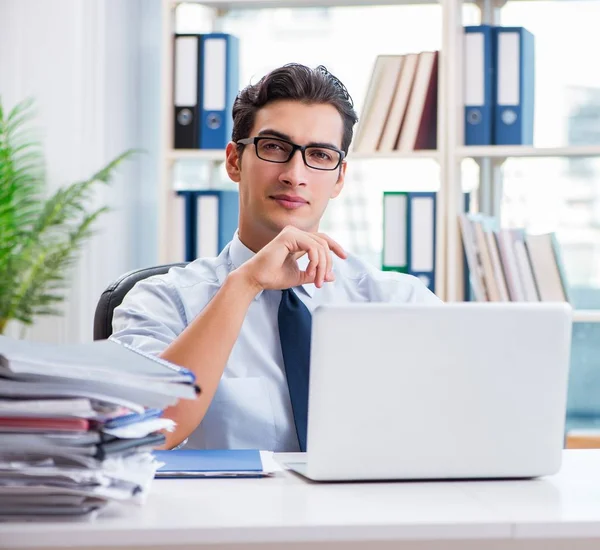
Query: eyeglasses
x,y
278,150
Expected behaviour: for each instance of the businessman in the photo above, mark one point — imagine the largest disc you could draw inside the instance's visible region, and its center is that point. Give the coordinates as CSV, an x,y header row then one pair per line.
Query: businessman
x,y
241,321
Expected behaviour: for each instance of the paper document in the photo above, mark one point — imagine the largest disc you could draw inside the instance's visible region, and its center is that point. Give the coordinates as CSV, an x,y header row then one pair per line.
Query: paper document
x,y
78,424
215,463
98,360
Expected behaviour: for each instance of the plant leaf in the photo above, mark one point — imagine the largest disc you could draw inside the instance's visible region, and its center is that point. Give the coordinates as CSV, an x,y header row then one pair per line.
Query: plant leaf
x,y
39,237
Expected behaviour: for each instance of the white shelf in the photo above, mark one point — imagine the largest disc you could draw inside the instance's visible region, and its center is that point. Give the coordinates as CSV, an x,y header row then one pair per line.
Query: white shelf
x,y
503,151
423,154
263,4
196,154
586,316
260,4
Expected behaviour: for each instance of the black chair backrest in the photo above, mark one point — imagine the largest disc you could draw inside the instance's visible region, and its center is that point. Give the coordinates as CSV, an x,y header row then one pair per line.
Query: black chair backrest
x,y
115,292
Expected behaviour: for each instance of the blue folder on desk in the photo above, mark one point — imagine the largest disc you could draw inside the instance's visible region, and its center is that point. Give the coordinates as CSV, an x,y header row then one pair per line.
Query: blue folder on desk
x,y
210,463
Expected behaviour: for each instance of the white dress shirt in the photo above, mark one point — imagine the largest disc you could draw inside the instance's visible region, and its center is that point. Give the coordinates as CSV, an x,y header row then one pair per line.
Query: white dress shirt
x,y
251,407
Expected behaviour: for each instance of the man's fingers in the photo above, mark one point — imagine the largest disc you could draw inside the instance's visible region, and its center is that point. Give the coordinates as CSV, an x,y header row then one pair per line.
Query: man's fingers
x,y
317,253
322,268
313,257
299,241
299,254
334,246
319,248
326,258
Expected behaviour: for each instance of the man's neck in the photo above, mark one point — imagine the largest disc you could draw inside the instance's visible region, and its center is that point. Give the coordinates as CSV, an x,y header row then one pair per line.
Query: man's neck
x,y
254,240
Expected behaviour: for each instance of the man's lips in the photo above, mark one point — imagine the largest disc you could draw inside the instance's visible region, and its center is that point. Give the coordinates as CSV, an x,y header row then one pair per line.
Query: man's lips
x,y
289,201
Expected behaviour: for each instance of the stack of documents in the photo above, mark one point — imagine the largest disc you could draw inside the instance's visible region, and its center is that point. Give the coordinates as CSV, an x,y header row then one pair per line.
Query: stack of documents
x,y
77,424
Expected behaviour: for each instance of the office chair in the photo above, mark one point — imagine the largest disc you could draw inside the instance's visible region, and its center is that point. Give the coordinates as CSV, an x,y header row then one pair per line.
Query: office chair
x,y
115,292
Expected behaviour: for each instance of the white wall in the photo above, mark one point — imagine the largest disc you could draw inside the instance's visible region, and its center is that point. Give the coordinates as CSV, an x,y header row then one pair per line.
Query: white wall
x,y
93,68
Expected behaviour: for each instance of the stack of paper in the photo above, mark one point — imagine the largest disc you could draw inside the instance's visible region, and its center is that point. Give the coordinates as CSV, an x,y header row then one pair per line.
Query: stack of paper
x,y
77,424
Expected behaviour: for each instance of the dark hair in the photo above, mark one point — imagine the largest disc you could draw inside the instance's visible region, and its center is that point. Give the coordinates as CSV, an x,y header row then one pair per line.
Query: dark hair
x,y
298,83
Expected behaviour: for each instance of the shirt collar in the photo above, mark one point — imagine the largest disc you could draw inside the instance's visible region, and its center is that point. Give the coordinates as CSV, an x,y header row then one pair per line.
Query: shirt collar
x,y
240,253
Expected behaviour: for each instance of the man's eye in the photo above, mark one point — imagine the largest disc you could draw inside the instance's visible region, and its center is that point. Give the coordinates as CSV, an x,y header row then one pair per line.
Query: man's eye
x,y
272,146
320,154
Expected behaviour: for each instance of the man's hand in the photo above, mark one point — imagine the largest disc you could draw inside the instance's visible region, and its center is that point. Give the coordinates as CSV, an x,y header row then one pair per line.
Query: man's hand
x,y
275,266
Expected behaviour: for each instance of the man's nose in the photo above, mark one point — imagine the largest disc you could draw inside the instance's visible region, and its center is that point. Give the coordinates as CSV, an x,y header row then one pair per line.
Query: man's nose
x,y
295,171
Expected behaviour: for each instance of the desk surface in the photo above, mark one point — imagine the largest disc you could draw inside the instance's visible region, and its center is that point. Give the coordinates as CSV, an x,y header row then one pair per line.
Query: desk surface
x,y
288,510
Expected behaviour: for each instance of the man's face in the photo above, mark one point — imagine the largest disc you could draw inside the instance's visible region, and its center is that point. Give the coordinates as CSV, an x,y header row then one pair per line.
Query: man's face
x,y
273,195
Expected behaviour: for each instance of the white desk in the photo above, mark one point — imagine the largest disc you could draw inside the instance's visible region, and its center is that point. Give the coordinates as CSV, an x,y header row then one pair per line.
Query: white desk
x,y
561,511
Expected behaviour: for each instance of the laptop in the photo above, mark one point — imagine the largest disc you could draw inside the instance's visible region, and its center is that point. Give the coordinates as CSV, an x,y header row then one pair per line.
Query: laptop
x,y
448,391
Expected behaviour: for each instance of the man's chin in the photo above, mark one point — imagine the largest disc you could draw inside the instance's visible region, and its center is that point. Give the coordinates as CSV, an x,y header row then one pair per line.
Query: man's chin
x,y
281,222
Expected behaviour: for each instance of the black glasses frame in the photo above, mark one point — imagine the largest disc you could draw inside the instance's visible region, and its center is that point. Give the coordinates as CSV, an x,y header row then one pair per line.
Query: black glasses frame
x,y
295,147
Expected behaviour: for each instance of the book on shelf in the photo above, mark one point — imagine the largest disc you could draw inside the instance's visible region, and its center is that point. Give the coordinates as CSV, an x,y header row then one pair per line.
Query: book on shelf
x,y
400,107
511,264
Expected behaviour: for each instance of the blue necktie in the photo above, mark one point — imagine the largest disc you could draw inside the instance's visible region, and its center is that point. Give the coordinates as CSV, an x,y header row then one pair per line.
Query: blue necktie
x,y
295,331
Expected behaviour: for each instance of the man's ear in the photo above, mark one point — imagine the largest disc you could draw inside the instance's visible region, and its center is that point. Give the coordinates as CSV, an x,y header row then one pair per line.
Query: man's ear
x,y
339,184
233,162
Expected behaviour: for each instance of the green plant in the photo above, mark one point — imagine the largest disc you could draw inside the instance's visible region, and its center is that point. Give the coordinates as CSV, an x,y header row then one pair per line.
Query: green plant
x,y
40,235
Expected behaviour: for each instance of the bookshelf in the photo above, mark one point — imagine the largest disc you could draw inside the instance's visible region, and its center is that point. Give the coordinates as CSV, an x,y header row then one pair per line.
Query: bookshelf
x,y
261,4
449,155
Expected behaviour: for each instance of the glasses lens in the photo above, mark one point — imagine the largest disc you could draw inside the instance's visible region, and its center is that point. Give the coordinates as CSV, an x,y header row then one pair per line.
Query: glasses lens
x,y
321,158
273,150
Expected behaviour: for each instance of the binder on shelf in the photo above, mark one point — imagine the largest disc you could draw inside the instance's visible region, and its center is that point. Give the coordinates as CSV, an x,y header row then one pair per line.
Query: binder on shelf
x,y
409,234
185,90
211,219
218,85
395,231
479,84
421,236
514,110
